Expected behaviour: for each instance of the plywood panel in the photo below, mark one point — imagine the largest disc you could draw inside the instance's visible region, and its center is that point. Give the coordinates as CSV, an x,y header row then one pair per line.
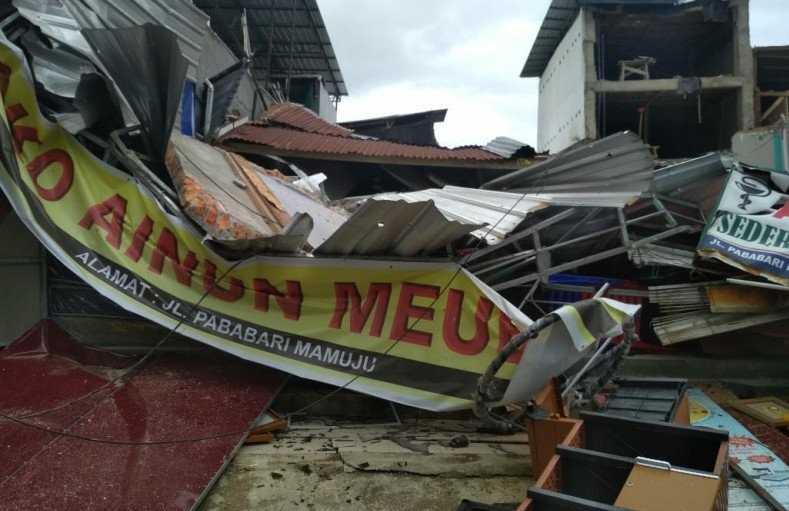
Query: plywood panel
x,y
650,489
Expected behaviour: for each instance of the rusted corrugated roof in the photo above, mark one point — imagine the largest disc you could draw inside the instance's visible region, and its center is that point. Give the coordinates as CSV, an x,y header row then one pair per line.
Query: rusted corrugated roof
x,y
293,130
302,142
297,116
241,206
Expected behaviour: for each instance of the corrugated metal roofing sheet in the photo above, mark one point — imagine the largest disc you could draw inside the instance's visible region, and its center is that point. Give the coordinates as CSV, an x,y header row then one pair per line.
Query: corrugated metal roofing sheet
x,y
506,147
423,222
558,18
55,21
430,116
286,24
416,128
300,117
658,255
620,162
678,328
698,181
399,228
299,141
499,212
63,20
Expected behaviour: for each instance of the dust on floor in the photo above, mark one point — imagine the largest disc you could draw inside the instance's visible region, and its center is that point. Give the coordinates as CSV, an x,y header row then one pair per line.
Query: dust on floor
x,y
424,465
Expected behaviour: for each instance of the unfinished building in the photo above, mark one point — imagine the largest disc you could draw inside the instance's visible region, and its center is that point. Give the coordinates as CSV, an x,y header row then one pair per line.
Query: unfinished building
x,y
680,74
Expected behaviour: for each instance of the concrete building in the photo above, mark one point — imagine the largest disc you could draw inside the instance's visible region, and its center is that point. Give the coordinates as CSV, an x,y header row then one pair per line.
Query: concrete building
x,y
289,48
681,74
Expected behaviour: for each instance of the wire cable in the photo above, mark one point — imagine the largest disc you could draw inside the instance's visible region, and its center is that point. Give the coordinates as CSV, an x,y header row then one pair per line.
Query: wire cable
x,y
110,441
20,420
419,318
130,369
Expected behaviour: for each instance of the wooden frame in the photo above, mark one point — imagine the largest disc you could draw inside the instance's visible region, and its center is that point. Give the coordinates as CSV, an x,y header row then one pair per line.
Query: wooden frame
x,y
745,406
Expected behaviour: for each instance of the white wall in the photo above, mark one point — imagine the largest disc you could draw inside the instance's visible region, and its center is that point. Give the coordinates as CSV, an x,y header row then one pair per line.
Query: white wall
x,y
327,110
561,119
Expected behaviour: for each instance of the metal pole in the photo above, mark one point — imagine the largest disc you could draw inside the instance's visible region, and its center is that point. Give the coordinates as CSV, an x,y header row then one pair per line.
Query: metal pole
x,y
208,111
290,50
602,291
269,49
586,366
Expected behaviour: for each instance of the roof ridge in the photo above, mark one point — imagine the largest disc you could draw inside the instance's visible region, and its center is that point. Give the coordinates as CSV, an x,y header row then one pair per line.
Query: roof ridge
x,y
289,138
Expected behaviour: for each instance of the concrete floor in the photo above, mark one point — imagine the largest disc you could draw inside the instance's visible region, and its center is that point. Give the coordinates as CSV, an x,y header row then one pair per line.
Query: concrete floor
x,y
370,468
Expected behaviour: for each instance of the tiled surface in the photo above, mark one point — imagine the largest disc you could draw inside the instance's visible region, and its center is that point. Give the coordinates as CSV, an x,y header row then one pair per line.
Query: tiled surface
x,y
174,398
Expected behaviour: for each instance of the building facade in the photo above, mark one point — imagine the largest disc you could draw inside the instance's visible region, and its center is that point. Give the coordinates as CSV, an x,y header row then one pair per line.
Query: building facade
x,y
681,75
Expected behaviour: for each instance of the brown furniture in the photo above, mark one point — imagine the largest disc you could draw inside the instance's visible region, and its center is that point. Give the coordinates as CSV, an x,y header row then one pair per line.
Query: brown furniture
x,y
658,399
602,454
649,488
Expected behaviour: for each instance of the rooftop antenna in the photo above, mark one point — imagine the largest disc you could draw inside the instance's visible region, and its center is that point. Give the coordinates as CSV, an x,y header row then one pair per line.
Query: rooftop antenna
x,y
245,35
249,56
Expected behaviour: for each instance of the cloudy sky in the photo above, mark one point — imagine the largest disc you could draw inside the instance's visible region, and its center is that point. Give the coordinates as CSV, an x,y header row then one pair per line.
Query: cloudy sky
x,y
401,56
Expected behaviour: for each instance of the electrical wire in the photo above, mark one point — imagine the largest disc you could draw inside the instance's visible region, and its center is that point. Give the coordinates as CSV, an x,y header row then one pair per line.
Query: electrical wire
x,y
130,370
110,441
418,319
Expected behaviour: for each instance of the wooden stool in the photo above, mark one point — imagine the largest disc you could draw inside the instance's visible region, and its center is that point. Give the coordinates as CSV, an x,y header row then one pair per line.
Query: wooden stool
x,y
638,67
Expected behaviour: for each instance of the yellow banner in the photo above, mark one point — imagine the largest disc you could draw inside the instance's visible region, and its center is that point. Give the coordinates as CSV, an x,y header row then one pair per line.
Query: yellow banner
x,y
412,332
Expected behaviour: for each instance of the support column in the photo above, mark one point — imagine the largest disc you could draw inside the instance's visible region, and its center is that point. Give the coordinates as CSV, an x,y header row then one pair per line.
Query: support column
x,y
743,63
590,71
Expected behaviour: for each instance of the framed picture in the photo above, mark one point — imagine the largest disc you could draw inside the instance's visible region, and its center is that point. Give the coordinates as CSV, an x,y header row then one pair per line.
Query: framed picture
x,y
770,410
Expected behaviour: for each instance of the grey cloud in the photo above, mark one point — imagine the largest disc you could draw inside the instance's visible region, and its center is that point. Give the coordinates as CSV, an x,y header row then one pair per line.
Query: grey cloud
x,y
468,49
383,41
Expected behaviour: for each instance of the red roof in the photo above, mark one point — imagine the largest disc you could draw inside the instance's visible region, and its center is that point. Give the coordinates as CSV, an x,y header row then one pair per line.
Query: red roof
x,y
302,118
289,127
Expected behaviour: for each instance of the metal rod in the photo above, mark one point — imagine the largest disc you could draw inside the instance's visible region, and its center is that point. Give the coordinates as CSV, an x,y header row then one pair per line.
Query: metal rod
x,y
585,219
208,112
522,234
765,285
493,264
290,49
245,34
269,49
586,366
528,296
593,258
623,227
602,291
669,217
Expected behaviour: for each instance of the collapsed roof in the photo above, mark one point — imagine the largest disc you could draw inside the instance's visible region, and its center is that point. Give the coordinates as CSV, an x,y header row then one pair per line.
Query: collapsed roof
x,y
417,128
291,130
